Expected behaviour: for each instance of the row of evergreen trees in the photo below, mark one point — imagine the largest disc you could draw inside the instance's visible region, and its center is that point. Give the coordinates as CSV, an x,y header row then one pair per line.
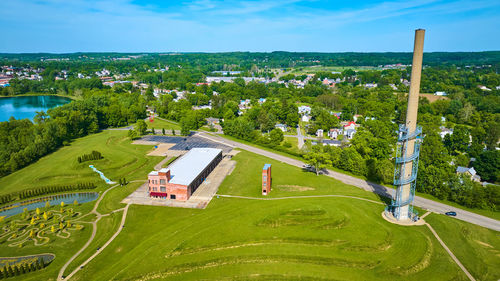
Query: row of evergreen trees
x,y
6,198
123,181
44,191
15,270
94,155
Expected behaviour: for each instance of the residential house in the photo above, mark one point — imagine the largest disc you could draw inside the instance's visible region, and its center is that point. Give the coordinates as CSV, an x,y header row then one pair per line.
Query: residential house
x,y
212,121
306,118
282,127
349,133
304,109
334,133
319,133
445,131
469,172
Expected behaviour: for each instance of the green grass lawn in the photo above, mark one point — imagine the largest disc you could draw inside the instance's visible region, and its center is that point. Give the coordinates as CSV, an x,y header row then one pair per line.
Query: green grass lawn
x,y
487,213
163,124
331,238
476,247
121,159
307,238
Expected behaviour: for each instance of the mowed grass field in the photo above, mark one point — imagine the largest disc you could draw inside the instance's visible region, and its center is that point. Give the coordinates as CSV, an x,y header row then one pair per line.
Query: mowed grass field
x,y
324,238
163,124
121,159
476,247
317,238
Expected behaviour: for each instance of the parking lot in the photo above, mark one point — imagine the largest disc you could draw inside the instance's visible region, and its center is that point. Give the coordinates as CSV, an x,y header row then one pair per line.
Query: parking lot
x,y
186,143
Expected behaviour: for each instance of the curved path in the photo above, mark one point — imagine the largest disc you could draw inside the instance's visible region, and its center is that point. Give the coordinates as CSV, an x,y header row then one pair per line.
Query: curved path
x,y
297,197
421,202
122,224
94,231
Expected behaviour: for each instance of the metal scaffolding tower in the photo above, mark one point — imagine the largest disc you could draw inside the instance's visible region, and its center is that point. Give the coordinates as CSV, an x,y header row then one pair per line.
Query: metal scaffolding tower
x,y
409,140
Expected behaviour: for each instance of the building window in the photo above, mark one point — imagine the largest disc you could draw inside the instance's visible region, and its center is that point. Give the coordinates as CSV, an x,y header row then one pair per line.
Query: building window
x,y
154,188
162,181
172,196
163,189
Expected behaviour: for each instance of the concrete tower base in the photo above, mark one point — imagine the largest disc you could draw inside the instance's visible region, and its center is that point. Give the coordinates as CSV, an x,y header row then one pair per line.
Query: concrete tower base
x,y
390,218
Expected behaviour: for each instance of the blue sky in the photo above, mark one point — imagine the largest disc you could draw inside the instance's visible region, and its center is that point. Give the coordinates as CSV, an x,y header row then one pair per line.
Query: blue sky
x,y
61,26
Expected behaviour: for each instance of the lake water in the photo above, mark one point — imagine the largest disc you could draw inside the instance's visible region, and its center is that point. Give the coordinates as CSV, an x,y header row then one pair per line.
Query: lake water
x,y
68,199
27,106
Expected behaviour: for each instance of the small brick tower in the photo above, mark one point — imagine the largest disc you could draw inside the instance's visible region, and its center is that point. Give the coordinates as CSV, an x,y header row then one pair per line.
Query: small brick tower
x,y
266,179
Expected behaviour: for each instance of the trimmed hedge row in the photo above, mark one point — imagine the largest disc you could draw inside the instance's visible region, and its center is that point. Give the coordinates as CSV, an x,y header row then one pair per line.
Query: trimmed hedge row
x,y
35,192
94,155
16,270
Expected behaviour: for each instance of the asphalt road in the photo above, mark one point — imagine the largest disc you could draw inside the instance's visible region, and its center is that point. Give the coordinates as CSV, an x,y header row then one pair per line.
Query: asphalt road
x,y
420,202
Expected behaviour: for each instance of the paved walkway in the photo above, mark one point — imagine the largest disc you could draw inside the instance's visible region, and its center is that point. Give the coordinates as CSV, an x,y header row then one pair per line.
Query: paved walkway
x,y
462,267
421,202
299,197
162,162
122,224
92,236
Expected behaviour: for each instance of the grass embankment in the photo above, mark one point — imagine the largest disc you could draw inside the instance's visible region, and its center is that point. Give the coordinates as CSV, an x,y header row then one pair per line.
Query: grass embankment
x,y
476,247
308,238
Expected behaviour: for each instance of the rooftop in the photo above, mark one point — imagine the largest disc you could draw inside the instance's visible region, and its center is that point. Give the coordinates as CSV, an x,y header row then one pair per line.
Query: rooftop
x,y
185,169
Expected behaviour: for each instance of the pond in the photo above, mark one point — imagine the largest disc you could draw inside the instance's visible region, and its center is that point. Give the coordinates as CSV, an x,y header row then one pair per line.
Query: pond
x,y
26,106
68,198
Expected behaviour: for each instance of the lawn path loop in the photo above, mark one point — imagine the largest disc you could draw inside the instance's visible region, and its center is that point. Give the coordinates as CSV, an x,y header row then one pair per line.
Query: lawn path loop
x,y
94,231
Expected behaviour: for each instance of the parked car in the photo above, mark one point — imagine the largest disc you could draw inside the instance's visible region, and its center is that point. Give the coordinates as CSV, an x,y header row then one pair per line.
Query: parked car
x,y
453,214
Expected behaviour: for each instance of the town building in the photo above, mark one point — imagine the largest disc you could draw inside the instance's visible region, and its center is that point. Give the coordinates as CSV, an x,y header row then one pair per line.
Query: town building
x,y
470,172
282,127
319,133
334,133
304,109
183,177
445,131
266,179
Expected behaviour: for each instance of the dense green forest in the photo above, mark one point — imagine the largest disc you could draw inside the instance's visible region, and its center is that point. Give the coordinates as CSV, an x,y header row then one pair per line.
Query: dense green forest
x,y
471,108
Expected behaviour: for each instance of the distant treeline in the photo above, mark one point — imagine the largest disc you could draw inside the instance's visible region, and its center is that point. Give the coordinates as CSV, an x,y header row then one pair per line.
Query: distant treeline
x,y
245,60
44,190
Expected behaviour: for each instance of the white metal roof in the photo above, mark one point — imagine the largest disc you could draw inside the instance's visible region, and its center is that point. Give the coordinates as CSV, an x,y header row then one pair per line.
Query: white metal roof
x,y
185,169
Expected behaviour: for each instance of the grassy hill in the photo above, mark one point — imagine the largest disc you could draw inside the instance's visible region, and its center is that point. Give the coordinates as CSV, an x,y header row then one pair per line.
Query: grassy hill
x,y
305,238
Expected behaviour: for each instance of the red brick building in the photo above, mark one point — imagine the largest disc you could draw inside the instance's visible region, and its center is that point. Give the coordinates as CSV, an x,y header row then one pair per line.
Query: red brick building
x,y
266,179
184,176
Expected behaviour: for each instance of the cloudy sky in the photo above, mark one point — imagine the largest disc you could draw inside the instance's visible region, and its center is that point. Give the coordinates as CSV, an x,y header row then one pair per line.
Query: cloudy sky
x,y
61,26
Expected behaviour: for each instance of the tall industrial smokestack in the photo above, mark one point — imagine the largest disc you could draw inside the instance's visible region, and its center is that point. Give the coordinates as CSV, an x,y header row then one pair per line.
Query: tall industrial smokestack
x,y
405,174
